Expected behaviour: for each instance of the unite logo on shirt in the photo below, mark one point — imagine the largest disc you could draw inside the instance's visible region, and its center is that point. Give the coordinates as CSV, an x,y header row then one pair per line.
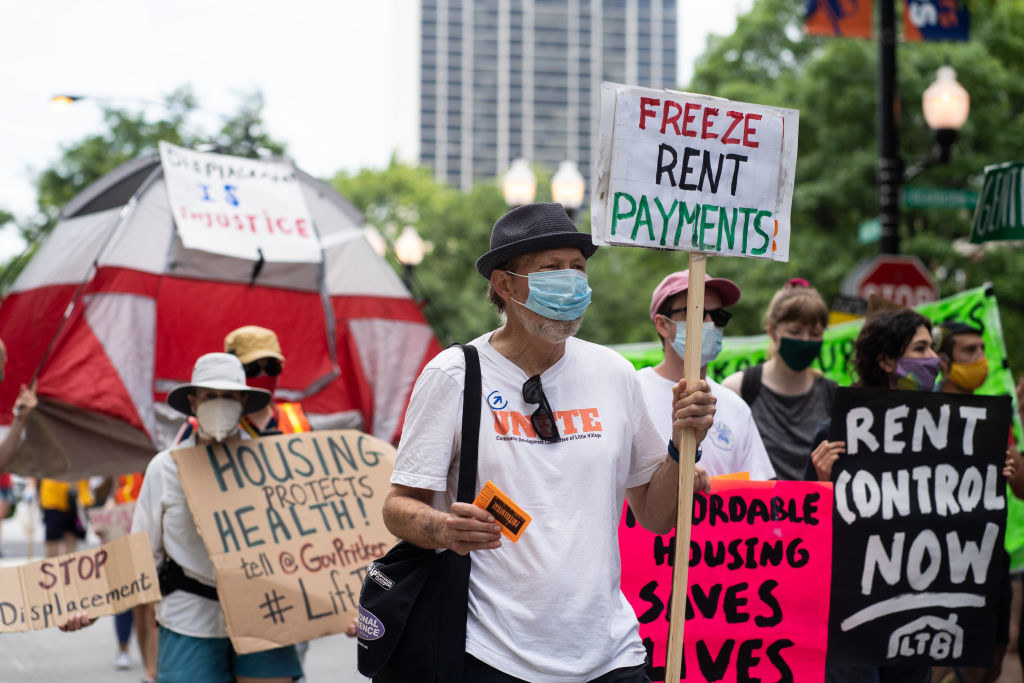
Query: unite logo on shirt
x,y
572,424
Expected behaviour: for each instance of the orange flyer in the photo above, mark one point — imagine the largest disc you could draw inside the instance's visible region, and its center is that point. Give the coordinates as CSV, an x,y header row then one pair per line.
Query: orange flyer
x,y
512,518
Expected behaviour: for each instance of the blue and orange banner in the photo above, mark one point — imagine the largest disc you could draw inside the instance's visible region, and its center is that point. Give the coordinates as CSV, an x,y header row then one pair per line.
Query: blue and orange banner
x,y
841,18
936,20
760,566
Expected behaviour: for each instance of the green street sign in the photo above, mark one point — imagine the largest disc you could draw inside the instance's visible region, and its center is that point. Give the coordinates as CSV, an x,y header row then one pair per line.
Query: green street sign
x,y
869,231
999,215
938,198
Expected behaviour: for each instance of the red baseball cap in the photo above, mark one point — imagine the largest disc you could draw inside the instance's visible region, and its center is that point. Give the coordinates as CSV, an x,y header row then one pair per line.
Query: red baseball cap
x,y
679,282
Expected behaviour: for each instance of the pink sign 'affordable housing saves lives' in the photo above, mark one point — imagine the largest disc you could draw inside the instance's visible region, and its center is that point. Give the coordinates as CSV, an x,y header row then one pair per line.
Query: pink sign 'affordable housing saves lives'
x,y
758,585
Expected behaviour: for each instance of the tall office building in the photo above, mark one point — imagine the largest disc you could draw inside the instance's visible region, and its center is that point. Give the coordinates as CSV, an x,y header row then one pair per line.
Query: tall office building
x,y
504,79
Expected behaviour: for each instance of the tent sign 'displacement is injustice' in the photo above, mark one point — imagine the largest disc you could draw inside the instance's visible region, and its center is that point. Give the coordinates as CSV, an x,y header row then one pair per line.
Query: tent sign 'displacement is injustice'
x,y
694,173
247,208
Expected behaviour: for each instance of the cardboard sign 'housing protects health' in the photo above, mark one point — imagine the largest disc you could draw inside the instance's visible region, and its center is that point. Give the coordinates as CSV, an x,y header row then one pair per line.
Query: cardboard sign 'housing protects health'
x,y
291,523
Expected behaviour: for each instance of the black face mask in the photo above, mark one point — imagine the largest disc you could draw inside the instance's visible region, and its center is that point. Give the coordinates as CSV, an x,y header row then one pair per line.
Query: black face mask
x,y
798,353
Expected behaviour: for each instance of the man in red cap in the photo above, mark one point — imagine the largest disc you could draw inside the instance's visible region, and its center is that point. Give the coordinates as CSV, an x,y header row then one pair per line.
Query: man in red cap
x,y
733,444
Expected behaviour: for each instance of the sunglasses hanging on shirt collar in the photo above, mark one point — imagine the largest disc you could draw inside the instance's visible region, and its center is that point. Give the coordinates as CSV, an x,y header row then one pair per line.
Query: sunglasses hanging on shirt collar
x,y
543,419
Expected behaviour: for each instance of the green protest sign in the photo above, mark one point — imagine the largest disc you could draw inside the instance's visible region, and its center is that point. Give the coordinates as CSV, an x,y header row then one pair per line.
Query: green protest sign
x,y
1000,214
976,307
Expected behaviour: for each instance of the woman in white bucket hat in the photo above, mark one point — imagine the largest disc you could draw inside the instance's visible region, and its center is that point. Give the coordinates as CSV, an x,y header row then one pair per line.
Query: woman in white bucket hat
x,y
193,642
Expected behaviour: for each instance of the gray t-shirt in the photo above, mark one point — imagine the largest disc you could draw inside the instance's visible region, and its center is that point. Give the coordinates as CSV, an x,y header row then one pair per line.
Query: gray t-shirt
x,y
787,423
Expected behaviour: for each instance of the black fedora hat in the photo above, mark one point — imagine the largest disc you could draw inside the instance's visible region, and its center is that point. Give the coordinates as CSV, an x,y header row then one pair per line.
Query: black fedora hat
x,y
530,228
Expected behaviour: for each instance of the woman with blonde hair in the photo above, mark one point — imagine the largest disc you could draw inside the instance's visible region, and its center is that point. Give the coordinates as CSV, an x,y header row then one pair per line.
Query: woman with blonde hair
x,y
788,398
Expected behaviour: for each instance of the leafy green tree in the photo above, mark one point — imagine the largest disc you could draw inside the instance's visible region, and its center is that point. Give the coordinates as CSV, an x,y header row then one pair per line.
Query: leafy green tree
x,y
457,225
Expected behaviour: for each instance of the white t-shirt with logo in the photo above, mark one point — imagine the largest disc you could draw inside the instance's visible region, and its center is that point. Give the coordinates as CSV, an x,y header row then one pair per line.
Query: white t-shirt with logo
x,y
733,443
548,607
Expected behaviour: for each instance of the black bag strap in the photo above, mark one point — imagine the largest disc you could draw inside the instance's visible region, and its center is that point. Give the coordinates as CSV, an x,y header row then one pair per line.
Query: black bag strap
x,y
751,383
470,425
172,577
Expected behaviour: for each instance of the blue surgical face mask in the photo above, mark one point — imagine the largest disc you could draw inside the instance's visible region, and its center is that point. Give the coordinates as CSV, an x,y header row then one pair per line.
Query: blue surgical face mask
x,y
710,342
557,294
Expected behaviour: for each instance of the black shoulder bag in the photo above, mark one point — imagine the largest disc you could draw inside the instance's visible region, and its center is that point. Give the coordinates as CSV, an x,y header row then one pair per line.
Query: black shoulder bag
x,y
412,606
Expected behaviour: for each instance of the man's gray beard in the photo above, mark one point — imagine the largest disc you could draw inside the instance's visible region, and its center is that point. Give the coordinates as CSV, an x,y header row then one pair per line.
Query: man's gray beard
x,y
546,329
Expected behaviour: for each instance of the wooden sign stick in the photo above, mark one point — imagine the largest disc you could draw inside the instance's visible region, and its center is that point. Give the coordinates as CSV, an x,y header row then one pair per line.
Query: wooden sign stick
x,y
687,451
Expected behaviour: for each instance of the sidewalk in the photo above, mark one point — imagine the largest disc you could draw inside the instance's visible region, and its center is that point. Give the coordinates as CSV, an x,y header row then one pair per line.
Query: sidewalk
x,y
50,656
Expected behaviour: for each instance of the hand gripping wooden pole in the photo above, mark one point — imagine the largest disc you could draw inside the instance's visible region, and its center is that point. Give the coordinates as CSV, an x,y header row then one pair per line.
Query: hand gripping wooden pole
x,y
687,453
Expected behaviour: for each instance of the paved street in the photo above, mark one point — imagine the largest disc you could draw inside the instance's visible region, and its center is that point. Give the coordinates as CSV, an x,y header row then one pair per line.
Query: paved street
x,y
88,655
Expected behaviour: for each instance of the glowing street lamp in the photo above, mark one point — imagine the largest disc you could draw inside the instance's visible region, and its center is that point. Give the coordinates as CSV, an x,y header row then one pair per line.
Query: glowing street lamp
x,y
409,250
568,188
946,105
519,186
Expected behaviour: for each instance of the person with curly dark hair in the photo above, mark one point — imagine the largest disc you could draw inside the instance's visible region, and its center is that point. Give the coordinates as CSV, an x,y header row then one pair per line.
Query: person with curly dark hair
x,y
894,350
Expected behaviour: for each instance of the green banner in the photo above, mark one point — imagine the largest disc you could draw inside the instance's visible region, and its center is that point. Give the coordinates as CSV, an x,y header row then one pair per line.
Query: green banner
x,y
1000,214
976,307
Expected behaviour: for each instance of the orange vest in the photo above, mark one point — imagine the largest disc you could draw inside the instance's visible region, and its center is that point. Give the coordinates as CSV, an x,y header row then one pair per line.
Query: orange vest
x,y
291,419
128,487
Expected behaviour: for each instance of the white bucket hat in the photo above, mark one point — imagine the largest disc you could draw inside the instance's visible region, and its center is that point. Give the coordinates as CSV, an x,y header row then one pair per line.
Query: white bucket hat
x,y
220,372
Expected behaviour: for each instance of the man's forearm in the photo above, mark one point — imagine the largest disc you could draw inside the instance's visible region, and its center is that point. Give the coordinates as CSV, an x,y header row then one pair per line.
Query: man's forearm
x,y
658,513
415,521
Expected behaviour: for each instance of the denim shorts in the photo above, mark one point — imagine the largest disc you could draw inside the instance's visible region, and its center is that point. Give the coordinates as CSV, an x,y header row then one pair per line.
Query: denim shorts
x,y
187,659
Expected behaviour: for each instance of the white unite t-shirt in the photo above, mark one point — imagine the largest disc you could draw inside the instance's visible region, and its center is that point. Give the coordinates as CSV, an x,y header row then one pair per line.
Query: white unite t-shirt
x,y
733,443
548,607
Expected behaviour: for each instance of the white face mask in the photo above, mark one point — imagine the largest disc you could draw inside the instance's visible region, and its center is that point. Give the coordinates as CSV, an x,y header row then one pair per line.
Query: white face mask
x,y
218,417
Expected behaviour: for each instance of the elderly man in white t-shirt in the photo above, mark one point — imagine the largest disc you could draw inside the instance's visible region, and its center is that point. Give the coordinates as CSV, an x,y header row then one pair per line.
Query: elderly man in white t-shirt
x,y
547,607
733,444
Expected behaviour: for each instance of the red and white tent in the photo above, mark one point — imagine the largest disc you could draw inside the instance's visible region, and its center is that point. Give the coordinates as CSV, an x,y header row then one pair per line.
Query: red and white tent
x,y
120,300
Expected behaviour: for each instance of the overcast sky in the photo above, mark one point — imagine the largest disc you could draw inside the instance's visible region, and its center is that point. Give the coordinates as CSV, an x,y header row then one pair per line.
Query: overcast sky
x,y
338,76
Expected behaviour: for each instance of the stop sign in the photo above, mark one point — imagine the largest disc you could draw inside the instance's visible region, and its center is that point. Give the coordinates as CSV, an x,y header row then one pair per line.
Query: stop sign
x,y
902,279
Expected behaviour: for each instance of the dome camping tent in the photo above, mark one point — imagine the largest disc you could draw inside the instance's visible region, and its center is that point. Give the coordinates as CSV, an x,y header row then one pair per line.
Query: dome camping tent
x,y
128,290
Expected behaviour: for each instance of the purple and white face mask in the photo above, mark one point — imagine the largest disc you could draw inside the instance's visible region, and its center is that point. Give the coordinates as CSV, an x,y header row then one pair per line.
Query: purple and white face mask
x,y
916,374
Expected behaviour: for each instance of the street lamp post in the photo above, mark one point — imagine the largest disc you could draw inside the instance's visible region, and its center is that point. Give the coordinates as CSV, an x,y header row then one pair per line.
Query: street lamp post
x,y
568,188
519,185
890,165
409,249
945,104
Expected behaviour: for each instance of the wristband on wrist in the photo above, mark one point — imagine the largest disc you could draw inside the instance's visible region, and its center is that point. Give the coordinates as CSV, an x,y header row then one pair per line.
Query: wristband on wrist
x,y
673,452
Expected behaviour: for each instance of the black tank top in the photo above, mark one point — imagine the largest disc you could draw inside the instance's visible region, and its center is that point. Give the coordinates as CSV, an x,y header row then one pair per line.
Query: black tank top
x,y
787,423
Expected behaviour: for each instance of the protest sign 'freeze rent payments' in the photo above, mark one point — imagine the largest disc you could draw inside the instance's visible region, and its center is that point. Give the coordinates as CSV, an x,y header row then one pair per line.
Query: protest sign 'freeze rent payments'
x,y
694,173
